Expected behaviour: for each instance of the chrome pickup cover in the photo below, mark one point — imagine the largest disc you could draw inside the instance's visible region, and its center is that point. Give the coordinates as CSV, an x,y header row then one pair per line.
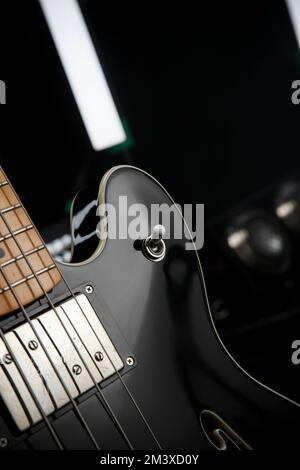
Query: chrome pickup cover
x,y
80,350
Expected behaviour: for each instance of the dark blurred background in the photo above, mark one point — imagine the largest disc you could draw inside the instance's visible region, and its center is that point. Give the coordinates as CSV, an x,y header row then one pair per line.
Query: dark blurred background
x,y
205,99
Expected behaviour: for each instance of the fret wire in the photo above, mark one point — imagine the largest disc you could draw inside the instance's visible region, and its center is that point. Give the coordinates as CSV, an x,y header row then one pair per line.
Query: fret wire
x,y
27,253
11,287
16,232
27,278
10,208
4,183
75,406
109,409
97,386
100,393
29,321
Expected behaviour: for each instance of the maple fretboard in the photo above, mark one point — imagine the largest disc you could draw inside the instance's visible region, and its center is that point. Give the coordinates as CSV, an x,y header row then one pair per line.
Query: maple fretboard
x,y
27,270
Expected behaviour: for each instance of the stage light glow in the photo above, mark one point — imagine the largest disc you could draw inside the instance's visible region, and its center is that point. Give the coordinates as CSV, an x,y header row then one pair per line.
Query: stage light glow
x,y
84,72
294,11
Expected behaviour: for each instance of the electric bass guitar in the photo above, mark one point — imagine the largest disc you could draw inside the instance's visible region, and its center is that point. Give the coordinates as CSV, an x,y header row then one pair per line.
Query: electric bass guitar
x,y
117,349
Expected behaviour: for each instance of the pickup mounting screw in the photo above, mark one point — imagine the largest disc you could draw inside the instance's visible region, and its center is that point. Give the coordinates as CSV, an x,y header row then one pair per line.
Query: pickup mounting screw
x,y
76,369
7,359
130,361
89,289
33,345
99,356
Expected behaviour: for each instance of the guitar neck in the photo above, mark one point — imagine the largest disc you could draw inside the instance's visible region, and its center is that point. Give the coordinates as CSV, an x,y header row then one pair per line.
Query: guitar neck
x,y
27,270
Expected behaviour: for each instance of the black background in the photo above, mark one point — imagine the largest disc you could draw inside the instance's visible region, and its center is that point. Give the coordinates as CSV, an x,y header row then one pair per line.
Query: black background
x,y
207,96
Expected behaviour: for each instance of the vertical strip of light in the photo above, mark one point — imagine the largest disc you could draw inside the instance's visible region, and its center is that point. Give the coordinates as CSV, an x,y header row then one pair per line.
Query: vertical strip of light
x,y
84,72
294,11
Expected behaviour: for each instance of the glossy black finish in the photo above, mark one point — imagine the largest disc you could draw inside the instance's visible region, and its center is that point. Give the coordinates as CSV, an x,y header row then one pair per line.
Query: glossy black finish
x,y
160,311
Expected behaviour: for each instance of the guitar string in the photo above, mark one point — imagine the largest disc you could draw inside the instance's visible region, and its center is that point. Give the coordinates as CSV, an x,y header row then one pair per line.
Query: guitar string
x,y
35,399
29,321
75,298
113,416
123,383
110,360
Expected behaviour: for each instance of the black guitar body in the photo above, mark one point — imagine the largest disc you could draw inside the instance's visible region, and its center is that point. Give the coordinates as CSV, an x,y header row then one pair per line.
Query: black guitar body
x,y
186,388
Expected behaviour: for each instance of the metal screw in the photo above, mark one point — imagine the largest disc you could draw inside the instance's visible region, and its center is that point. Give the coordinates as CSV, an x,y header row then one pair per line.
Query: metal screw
x,y
99,356
89,289
77,369
3,442
33,345
130,360
7,359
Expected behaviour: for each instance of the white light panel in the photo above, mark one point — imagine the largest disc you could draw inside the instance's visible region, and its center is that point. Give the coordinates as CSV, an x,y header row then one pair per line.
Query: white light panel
x,y
294,11
84,72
